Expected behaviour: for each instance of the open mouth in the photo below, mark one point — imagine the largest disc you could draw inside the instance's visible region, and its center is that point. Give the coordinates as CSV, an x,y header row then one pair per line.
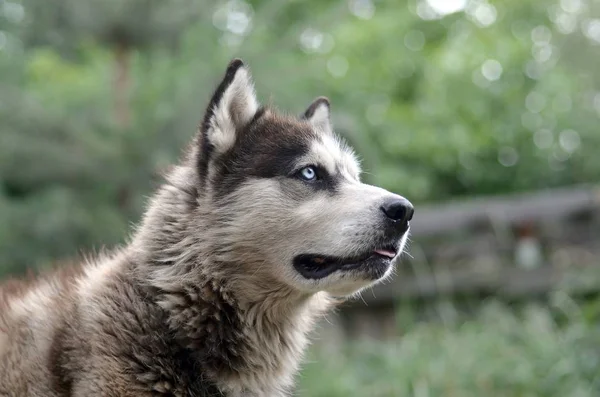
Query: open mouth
x,y
375,262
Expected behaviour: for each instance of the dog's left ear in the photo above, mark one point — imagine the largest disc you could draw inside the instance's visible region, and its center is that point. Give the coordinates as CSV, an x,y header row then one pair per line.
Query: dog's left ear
x,y
318,114
231,107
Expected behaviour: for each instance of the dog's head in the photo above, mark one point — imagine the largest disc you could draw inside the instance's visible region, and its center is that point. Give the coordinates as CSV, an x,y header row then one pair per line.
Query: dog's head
x,y
285,196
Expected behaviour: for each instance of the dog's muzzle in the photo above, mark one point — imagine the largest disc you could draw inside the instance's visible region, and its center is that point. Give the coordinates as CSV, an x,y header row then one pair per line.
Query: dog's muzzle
x,y
373,261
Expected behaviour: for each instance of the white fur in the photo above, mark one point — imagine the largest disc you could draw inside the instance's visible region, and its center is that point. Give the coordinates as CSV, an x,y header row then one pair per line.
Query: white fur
x,y
34,303
329,152
96,274
321,120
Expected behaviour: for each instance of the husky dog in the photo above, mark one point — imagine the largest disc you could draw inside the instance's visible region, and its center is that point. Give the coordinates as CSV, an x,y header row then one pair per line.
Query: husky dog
x,y
261,227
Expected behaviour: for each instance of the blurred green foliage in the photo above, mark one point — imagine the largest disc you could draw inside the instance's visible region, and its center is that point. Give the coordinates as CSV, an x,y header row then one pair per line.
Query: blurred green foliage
x,y
496,354
97,97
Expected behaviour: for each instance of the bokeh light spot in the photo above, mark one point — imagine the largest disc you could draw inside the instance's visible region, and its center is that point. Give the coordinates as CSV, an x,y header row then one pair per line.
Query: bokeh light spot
x,y
425,12
235,17
363,9
446,7
569,140
482,13
596,102
338,66
414,40
533,70
311,39
565,23
571,6
591,29
560,155
14,12
491,70
541,35
542,53
508,156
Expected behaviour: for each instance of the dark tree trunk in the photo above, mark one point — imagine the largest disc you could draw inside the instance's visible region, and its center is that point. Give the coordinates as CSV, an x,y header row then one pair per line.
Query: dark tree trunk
x,y
121,84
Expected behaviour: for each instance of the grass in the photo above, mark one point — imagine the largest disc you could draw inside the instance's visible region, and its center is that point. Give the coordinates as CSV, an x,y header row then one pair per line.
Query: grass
x,y
496,354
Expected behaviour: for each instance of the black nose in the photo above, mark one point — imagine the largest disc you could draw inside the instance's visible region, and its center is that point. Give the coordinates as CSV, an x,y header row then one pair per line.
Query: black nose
x,y
398,209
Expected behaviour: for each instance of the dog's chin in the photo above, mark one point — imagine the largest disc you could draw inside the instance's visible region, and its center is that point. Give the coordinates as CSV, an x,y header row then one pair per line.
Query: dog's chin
x,y
344,276
353,283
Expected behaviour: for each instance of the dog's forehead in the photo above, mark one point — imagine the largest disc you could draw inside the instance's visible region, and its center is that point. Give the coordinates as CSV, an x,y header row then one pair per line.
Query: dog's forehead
x,y
312,146
271,126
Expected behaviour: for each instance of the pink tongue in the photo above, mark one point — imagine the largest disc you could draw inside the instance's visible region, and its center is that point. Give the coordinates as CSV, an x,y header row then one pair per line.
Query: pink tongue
x,y
389,254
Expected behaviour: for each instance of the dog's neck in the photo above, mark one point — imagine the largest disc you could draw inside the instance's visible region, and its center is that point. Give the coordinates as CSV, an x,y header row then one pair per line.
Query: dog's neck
x,y
249,338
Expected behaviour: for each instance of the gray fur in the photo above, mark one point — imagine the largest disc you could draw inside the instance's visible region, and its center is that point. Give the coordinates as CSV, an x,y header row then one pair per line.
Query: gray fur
x,y
204,299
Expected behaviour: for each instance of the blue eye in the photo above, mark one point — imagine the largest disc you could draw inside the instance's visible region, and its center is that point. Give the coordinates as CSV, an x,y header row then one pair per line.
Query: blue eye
x,y
308,173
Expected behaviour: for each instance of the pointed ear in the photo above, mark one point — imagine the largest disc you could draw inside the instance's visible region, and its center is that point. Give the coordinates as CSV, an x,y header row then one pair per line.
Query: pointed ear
x,y
318,114
232,106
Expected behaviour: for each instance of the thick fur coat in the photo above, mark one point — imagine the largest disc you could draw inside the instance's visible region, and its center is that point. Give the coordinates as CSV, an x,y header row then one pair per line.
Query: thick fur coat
x,y
256,230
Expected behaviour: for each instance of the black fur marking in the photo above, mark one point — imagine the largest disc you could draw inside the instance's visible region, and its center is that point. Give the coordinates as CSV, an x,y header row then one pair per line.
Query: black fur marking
x,y
268,148
61,379
207,147
259,113
309,113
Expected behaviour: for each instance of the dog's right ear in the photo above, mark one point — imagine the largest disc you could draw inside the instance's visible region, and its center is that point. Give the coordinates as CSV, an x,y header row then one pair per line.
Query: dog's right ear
x,y
231,107
318,114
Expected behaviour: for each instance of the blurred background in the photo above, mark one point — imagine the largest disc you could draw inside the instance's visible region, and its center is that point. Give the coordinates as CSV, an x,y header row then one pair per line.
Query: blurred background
x,y
483,113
